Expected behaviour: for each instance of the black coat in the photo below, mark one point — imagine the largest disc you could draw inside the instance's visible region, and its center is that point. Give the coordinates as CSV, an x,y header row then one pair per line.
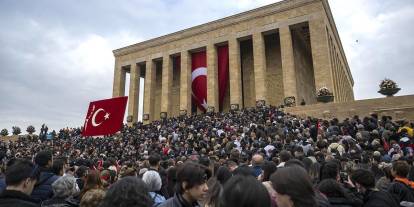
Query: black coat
x,y
16,199
379,199
401,192
177,201
43,188
340,202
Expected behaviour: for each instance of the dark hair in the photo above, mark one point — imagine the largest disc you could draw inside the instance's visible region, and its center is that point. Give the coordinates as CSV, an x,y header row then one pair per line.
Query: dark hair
x,y
363,177
331,188
401,168
81,171
154,159
223,174
268,169
193,174
294,162
172,179
244,170
329,170
387,173
244,191
42,158
204,160
20,171
285,156
57,166
129,191
93,181
294,182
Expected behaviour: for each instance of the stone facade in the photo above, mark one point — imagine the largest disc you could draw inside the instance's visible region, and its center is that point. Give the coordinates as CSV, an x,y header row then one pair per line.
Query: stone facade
x,y
398,107
289,48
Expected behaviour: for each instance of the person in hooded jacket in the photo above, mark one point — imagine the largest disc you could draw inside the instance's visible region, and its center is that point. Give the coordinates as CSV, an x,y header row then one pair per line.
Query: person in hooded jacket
x,y
64,190
43,188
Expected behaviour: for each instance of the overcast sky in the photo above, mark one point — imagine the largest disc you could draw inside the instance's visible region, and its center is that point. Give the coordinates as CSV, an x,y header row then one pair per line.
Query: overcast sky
x,y
56,56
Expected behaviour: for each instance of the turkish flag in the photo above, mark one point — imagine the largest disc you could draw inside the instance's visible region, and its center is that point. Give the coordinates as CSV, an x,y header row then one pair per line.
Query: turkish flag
x,y
105,117
223,72
199,79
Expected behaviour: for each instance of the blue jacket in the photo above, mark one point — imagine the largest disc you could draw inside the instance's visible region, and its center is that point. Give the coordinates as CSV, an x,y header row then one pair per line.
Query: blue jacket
x,y
2,184
43,188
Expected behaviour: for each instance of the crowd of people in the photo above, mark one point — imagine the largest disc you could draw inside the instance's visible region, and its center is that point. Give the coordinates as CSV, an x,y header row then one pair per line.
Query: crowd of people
x,y
254,157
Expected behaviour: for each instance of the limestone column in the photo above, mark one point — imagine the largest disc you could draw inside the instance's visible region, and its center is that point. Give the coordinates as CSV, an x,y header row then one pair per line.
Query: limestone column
x,y
212,79
259,59
166,85
150,70
320,53
119,80
185,84
133,98
235,73
288,63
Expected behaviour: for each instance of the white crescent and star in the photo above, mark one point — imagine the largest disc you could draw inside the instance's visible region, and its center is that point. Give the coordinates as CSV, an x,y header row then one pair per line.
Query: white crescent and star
x,y
94,117
201,71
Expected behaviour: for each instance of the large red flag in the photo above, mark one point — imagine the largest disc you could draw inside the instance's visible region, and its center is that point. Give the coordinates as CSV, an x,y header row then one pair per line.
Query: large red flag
x,y
223,71
199,79
105,117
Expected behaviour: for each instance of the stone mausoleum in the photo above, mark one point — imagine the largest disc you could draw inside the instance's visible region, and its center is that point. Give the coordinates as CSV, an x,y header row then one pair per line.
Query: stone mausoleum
x,y
285,50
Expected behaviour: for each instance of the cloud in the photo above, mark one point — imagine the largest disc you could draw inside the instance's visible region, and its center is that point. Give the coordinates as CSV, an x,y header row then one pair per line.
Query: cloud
x,y
384,47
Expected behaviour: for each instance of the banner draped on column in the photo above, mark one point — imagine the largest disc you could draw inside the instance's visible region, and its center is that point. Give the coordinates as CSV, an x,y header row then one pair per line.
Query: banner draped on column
x,y
223,72
199,79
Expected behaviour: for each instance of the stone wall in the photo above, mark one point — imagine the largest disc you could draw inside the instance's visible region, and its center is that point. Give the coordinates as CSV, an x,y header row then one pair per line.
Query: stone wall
x,y
249,94
305,78
158,87
399,107
274,75
244,27
175,91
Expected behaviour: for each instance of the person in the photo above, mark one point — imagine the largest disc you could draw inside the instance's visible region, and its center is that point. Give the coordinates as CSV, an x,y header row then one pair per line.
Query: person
x,y
64,189
93,181
153,181
293,187
43,189
191,186
244,191
128,191
215,186
364,181
330,170
284,157
92,198
154,162
257,163
385,181
21,178
401,188
58,167
80,175
3,177
268,169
